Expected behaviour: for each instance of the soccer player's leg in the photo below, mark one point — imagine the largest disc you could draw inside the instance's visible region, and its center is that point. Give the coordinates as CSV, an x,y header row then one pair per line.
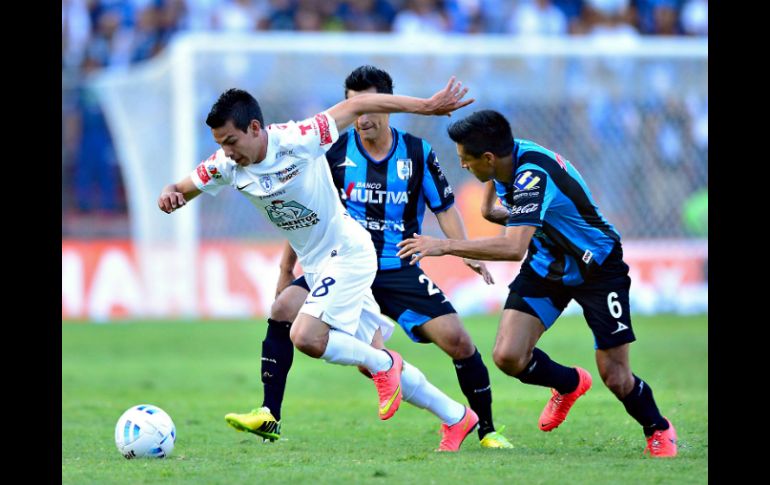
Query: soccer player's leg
x,y
531,308
409,296
328,325
457,421
277,358
277,349
448,333
607,311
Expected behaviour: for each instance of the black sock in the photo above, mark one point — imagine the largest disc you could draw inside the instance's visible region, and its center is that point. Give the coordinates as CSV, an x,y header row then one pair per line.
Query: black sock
x,y
640,404
542,371
474,382
277,357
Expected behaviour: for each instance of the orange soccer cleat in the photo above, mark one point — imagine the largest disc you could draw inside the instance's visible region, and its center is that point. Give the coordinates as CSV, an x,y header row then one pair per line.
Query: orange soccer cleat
x,y
558,406
453,436
388,383
662,443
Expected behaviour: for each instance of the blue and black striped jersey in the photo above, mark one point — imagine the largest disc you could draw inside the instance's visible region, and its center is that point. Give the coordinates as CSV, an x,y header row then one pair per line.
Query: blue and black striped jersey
x,y
388,197
572,238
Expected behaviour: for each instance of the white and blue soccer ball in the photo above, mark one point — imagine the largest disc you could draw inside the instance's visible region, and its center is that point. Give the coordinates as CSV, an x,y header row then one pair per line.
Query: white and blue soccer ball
x,y
145,431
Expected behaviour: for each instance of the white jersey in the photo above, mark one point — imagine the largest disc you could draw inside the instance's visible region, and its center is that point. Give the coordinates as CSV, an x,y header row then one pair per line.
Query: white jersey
x,y
293,188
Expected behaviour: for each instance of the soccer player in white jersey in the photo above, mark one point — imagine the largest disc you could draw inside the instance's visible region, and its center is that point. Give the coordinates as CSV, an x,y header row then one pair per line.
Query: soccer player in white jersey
x,y
282,170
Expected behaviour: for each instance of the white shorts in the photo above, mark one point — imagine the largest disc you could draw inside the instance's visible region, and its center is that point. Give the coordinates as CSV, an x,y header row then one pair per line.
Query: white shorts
x,y
341,294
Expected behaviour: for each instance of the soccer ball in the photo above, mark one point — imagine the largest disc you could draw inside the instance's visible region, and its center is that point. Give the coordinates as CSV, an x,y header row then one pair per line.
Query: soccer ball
x,y
145,431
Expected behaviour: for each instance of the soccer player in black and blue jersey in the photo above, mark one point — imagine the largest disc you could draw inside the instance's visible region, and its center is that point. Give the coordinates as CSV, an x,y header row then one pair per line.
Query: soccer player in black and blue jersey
x,y
571,251
386,178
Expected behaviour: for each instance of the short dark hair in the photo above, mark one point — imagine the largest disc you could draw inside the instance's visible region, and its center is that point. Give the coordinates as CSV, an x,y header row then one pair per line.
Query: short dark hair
x,y
235,105
483,131
365,77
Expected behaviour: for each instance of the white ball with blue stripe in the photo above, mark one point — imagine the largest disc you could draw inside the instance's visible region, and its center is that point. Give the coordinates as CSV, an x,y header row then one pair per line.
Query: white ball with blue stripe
x,y
145,431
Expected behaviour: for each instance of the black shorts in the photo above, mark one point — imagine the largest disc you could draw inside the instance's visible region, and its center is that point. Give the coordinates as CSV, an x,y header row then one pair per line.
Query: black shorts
x,y
604,301
406,295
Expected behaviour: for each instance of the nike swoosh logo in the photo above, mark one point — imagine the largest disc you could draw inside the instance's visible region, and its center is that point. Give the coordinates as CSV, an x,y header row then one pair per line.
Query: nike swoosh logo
x,y
544,425
384,409
244,186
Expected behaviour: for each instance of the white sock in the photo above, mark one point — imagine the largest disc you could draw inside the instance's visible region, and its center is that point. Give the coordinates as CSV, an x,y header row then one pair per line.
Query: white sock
x,y
344,349
421,393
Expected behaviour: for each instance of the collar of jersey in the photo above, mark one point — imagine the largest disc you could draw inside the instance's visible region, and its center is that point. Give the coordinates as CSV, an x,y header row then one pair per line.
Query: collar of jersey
x,y
363,151
515,154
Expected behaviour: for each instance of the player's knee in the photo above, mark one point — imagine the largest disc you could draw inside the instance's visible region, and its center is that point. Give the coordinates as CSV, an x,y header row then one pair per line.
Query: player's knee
x,y
509,361
283,311
306,343
458,345
618,380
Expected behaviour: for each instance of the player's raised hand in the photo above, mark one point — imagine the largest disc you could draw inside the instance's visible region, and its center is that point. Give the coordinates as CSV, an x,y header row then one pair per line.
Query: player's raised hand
x,y
448,99
171,201
419,246
480,268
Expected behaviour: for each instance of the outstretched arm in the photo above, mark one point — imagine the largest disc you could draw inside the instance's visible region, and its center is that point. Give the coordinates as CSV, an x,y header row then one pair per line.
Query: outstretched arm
x,y
510,247
442,103
452,226
177,195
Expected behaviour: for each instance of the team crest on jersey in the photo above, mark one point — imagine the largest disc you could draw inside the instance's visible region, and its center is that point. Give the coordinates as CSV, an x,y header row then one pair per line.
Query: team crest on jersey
x,y
404,168
290,215
526,181
266,182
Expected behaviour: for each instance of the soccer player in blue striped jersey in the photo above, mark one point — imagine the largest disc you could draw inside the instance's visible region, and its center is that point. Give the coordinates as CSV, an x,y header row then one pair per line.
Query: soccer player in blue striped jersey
x,y
572,252
386,178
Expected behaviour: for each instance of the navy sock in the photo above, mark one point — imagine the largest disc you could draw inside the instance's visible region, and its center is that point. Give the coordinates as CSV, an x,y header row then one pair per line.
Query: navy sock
x,y
277,357
640,404
542,371
474,382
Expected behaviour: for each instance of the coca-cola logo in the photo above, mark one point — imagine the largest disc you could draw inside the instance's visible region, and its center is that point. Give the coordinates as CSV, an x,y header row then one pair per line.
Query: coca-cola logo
x,y
524,209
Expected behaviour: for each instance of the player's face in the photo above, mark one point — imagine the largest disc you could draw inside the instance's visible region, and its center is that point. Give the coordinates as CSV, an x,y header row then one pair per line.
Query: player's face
x,y
370,127
481,167
240,147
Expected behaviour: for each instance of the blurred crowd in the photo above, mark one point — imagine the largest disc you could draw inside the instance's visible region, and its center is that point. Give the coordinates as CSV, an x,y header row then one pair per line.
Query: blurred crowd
x,y
114,34
97,33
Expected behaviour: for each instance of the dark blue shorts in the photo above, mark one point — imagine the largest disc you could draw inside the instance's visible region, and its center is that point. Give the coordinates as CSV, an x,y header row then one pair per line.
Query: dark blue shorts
x,y
407,296
604,301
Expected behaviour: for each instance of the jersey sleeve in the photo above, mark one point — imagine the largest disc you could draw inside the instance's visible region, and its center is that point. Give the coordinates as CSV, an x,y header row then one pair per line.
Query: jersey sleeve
x,y
309,138
213,173
532,195
436,190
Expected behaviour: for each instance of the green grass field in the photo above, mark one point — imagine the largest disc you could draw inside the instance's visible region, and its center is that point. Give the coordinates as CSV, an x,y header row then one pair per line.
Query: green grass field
x,y
198,372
